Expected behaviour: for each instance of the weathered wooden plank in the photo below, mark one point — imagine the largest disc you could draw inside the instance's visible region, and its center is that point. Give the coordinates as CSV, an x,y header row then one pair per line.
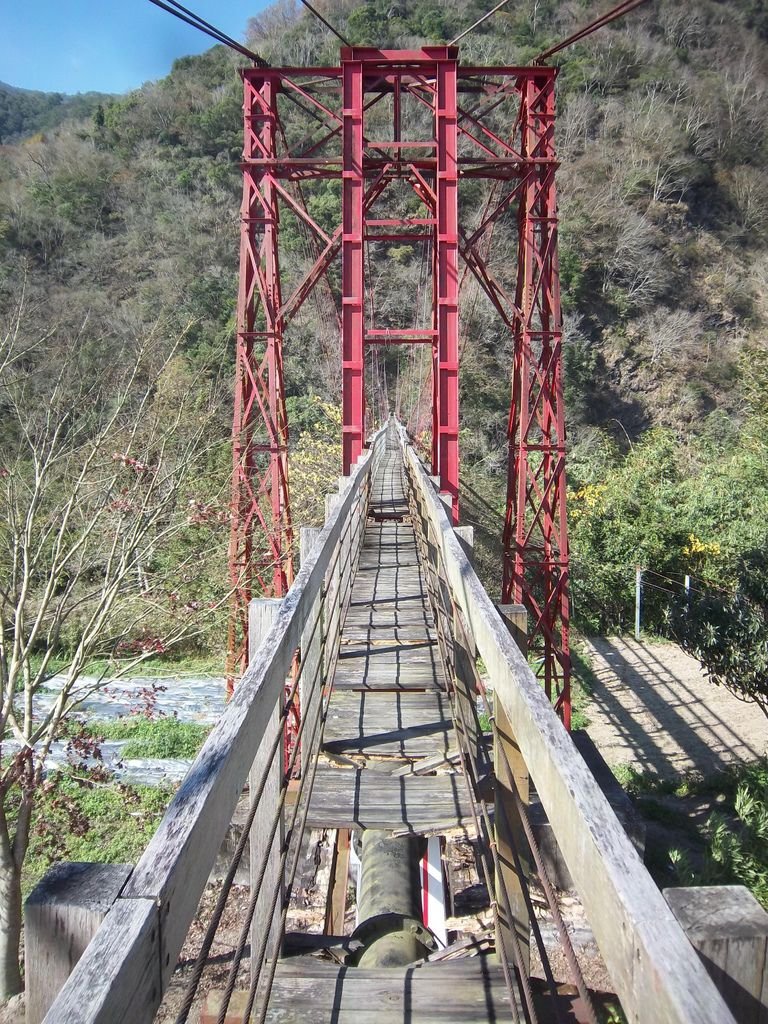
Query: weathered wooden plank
x,y
729,930
653,967
510,832
413,683
117,980
336,902
261,615
475,993
61,916
354,634
386,724
369,799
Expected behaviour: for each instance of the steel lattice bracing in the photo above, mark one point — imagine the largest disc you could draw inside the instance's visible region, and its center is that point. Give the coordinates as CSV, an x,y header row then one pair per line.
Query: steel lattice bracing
x,y
489,123
260,556
536,532
429,77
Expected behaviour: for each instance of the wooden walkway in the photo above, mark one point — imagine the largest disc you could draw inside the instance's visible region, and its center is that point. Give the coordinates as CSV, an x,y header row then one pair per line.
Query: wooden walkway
x,y
388,762
470,991
389,709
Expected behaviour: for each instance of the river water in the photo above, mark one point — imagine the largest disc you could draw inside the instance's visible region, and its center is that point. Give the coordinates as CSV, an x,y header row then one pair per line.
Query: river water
x,y
198,699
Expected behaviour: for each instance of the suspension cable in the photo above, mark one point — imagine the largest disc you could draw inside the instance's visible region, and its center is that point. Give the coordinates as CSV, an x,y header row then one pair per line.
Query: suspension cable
x,y
478,22
184,14
593,26
327,24
464,637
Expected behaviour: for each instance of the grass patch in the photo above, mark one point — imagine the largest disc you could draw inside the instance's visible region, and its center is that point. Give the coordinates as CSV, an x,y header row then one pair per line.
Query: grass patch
x,y
166,667
646,783
583,682
80,820
161,737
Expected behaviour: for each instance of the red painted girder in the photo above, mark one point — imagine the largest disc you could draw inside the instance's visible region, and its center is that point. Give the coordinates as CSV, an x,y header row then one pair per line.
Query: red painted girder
x,y
352,266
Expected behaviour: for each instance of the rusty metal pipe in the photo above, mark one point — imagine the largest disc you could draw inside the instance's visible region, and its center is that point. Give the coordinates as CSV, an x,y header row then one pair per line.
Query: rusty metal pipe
x,y
389,903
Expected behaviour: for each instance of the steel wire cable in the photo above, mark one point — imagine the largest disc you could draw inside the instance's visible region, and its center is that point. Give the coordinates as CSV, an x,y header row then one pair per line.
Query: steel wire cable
x,y
289,701
226,886
488,843
542,871
183,14
292,873
543,874
256,890
491,843
565,938
593,26
327,24
478,22
662,590
693,590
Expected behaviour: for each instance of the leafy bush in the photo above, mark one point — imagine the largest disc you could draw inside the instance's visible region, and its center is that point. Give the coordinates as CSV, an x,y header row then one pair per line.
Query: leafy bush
x,y
79,819
737,851
728,634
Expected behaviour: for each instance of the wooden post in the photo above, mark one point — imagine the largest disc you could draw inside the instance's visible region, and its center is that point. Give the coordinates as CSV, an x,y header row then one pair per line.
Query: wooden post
x,y
345,553
333,590
262,612
638,601
729,930
61,916
464,655
508,824
311,644
336,903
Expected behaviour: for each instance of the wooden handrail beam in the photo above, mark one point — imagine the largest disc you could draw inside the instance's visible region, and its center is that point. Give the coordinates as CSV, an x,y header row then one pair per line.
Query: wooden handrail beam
x,y
655,970
162,895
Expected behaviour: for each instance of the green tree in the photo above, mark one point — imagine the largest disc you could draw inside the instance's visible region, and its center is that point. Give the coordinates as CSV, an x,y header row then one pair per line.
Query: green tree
x,y
96,462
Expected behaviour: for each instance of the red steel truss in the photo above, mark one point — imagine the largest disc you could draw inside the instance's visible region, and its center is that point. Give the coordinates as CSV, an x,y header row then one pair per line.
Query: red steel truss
x,y
536,565
260,551
489,123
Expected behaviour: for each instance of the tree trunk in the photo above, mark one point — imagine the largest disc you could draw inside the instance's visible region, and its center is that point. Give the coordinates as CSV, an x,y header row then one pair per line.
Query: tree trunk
x,y
10,926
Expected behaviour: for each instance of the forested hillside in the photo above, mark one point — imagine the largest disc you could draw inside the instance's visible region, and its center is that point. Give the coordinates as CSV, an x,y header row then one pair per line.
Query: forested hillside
x,y
119,227
26,111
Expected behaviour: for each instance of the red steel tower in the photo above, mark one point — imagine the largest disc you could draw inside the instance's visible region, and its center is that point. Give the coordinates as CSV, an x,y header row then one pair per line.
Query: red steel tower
x,y
412,122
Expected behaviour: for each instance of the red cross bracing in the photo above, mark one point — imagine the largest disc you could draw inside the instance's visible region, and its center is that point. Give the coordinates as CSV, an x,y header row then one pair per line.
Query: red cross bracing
x,y
417,123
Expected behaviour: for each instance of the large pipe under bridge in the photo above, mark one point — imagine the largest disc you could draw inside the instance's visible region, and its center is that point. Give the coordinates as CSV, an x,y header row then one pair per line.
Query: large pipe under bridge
x,y
380,635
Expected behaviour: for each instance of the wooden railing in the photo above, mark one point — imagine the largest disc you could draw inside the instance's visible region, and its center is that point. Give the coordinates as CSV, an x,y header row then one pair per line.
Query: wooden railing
x,y
655,970
125,969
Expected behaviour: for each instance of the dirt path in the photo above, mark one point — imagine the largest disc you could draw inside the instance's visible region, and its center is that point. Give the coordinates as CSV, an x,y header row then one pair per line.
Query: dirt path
x,y
654,709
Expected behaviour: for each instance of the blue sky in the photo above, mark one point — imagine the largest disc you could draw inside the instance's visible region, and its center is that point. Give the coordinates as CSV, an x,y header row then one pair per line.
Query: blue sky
x,y
104,45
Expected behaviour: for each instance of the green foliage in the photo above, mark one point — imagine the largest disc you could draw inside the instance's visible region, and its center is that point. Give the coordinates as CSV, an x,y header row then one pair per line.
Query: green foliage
x,y
728,634
26,111
628,518
736,837
316,463
161,737
83,820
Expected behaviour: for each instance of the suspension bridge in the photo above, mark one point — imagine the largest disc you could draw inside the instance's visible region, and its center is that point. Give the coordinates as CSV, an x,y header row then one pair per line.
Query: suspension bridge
x,y
380,700
389,619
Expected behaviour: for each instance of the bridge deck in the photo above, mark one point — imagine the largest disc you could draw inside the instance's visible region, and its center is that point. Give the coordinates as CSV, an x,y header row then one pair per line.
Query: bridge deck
x,y
468,991
389,697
